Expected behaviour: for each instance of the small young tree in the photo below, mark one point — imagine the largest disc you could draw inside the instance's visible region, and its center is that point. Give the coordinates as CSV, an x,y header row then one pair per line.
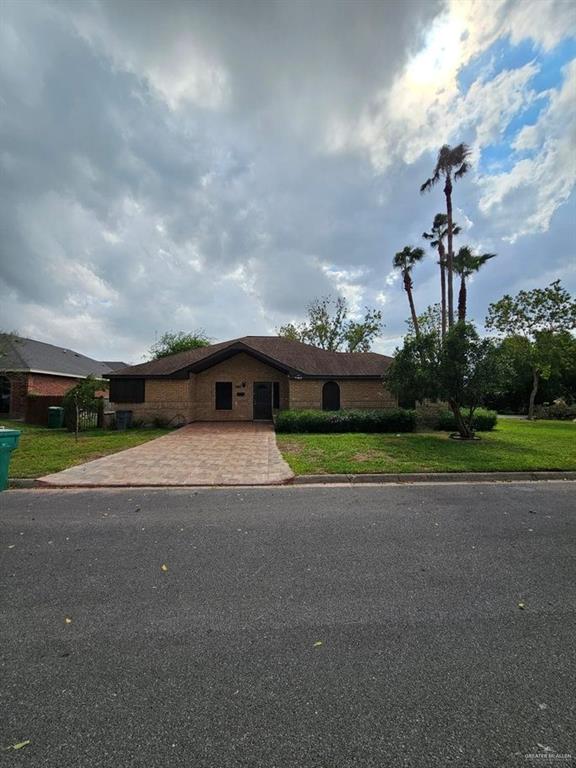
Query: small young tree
x,y
540,316
82,397
328,327
173,342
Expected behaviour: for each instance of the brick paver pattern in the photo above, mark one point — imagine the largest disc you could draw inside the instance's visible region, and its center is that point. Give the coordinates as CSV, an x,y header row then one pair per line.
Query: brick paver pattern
x,y
241,453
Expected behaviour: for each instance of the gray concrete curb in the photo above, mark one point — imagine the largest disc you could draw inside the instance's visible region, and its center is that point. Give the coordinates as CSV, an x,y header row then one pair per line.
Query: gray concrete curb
x,y
434,477
22,482
382,479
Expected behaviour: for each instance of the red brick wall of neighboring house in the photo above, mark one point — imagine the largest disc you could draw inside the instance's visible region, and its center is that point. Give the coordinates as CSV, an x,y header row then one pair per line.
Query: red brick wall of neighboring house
x,y
44,384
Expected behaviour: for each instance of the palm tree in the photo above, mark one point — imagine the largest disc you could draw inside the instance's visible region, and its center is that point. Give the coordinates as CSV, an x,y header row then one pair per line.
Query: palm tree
x,y
452,162
467,263
405,260
436,236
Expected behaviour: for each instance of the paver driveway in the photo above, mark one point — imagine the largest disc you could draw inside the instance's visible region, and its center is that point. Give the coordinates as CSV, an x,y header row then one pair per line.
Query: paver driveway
x,y
198,454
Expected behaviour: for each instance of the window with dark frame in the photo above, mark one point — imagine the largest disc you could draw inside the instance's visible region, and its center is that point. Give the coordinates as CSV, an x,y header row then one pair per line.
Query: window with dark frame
x,y
276,395
126,390
223,395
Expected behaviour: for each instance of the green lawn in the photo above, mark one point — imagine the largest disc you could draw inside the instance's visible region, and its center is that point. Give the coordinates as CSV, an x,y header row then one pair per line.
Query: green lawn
x,y
512,446
42,451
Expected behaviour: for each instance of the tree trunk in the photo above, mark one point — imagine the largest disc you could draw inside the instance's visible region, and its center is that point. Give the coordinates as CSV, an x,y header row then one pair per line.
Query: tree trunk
x,y
462,300
408,289
465,432
535,383
450,255
442,255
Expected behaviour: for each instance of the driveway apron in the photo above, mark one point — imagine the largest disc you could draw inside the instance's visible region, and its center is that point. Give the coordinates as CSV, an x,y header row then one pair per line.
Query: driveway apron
x,y
199,454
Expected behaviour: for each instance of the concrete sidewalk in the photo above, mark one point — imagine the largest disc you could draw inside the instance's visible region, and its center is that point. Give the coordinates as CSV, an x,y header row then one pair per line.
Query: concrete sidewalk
x,y
235,453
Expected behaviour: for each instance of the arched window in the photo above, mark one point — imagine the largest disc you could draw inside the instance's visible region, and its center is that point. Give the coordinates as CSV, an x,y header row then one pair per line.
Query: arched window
x,y
331,396
5,388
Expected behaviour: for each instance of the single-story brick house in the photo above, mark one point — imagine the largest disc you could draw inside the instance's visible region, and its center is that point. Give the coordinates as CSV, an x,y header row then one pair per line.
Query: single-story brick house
x,y
31,369
249,379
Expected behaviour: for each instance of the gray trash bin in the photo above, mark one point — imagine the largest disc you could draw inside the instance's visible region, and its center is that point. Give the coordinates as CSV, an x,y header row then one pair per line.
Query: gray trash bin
x,y
123,419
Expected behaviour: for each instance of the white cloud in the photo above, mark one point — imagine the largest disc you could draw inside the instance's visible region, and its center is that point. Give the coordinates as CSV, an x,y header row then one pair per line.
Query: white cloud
x,y
533,189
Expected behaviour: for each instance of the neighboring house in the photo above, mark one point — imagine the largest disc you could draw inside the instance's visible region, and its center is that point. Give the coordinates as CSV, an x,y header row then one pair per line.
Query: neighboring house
x,y
30,368
248,379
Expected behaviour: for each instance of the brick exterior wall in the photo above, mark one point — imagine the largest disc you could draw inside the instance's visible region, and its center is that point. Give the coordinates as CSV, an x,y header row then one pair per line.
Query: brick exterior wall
x,y
43,384
169,400
240,369
354,393
24,384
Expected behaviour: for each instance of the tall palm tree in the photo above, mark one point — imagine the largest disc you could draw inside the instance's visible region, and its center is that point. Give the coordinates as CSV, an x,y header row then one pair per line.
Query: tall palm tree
x,y
467,263
405,260
452,162
436,236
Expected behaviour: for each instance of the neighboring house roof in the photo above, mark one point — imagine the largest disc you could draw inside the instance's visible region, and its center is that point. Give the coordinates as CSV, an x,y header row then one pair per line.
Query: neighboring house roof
x,y
28,355
115,364
292,357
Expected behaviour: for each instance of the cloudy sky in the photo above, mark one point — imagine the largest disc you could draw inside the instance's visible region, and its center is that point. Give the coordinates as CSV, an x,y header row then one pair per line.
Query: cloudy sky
x,y
217,164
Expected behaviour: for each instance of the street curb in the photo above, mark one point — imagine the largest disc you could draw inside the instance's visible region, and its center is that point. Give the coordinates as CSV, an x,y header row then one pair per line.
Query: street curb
x,y
374,479
434,477
22,482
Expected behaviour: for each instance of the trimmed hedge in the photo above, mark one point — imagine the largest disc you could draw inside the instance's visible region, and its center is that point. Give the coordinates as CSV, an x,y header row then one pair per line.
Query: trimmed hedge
x,y
483,421
389,420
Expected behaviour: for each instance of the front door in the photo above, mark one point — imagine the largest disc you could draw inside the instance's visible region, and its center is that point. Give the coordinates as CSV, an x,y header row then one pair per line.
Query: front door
x,y
262,400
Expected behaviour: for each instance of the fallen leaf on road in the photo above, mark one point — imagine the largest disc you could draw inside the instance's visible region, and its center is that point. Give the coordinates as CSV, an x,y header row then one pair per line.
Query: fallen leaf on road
x,y
164,567
19,745
318,643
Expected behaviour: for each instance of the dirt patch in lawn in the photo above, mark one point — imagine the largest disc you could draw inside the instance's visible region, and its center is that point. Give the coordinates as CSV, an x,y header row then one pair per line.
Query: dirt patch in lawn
x,y
372,456
295,448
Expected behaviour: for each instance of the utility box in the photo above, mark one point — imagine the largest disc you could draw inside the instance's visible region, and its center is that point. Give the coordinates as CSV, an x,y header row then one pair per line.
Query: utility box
x,y
9,439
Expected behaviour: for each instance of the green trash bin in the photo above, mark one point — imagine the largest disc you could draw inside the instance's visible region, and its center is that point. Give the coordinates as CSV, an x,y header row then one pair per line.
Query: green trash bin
x,y
8,442
55,417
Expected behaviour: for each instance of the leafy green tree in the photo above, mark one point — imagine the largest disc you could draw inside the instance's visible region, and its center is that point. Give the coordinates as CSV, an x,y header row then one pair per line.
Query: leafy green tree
x,y
541,317
328,327
170,343
451,163
470,371
430,321
405,260
466,264
464,371
436,236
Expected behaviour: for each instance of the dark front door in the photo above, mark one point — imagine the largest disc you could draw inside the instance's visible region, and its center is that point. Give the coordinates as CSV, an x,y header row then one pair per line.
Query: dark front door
x,y
262,400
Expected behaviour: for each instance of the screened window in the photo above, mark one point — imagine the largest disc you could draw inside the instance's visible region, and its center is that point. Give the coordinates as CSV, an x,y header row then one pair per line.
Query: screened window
x,y
331,396
4,394
223,395
126,390
276,396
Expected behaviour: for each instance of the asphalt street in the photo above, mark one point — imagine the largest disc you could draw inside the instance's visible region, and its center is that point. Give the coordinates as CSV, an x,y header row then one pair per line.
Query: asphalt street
x,y
427,625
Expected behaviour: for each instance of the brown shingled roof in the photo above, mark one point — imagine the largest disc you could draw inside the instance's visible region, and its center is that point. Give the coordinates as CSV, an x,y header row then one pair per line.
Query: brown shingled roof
x,y
292,356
